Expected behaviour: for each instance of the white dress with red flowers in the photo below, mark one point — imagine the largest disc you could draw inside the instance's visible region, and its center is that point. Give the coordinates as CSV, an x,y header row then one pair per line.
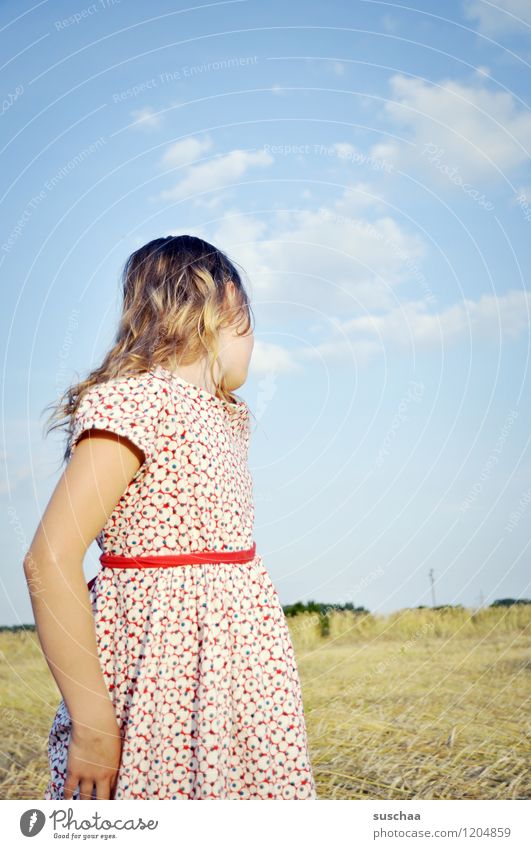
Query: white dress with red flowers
x,y
197,658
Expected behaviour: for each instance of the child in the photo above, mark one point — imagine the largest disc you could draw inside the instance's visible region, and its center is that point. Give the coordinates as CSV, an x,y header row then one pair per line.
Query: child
x,y
176,667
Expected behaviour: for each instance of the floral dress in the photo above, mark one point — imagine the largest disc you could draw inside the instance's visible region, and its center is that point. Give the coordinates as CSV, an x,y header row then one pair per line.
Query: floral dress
x,y
197,658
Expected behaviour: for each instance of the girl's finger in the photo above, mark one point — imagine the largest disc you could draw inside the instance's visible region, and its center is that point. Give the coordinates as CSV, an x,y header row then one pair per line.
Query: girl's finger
x,y
103,789
85,787
71,782
112,790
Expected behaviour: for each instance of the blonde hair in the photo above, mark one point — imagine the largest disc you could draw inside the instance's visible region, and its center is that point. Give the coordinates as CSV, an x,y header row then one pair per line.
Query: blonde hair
x,y
174,303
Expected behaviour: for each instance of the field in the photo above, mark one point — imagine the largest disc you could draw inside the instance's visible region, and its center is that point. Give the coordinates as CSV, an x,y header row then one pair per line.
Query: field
x,y
420,704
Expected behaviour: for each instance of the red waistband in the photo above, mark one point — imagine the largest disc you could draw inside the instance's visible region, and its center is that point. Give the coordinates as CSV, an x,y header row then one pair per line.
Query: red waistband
x,y
117,561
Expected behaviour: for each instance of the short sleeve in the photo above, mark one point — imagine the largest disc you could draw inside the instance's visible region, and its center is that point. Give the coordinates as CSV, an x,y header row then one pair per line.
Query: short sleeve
x,y
127,406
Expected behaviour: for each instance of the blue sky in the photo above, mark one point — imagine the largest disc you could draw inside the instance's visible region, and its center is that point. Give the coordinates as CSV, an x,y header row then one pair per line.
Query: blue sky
x,y
368,166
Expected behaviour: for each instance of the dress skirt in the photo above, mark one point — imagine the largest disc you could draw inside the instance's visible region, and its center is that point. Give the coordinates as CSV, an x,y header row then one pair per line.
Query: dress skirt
x,y
199,664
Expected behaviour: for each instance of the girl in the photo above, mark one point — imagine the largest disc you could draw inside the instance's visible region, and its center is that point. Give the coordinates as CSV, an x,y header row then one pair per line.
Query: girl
x,y
176,667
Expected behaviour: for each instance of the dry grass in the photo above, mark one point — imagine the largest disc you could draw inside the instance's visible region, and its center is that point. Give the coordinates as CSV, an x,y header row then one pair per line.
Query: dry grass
x,y
417,705
28,701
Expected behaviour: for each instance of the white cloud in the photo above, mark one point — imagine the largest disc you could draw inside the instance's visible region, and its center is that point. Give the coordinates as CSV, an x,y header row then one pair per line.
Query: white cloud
x,y
186,151
389,23
146,117
410,327
386,152
239,234
348,258
351,258
339,68
216,173
523,192
501,16
345,150
268,357
334,258
17,477
478,130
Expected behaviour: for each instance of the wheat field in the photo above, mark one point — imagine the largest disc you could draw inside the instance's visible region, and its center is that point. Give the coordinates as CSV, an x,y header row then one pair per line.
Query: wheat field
x,y
420,704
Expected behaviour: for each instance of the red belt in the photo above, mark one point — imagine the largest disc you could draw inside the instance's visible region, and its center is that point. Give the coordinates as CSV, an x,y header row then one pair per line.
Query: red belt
x,y
158,561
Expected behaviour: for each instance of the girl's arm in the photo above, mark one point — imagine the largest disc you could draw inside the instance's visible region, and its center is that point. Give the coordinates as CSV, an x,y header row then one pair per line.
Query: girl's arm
x,y
96,476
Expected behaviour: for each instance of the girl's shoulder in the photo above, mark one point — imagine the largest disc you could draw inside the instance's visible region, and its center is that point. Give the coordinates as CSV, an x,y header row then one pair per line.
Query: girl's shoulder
x,y
123,393
129,405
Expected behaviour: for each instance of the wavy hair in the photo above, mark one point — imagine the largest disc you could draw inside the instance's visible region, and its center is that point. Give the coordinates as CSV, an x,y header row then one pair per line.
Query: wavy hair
x,y
174,303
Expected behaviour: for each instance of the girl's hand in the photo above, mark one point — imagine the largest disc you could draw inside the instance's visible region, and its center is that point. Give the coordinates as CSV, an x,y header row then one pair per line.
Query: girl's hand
x,y
94,754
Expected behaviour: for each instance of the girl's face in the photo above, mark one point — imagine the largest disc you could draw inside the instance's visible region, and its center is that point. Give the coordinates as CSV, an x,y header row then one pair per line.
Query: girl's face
x,y
235,349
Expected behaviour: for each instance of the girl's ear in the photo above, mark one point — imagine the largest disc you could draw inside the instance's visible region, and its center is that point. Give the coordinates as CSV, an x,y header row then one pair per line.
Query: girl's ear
x,y
230,291
231,303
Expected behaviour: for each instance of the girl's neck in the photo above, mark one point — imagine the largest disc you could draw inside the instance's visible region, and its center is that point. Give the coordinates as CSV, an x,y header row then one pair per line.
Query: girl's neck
x,y
196,373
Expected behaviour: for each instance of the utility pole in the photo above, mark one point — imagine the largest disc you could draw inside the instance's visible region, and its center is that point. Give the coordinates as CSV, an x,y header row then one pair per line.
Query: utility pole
x,y
432,588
